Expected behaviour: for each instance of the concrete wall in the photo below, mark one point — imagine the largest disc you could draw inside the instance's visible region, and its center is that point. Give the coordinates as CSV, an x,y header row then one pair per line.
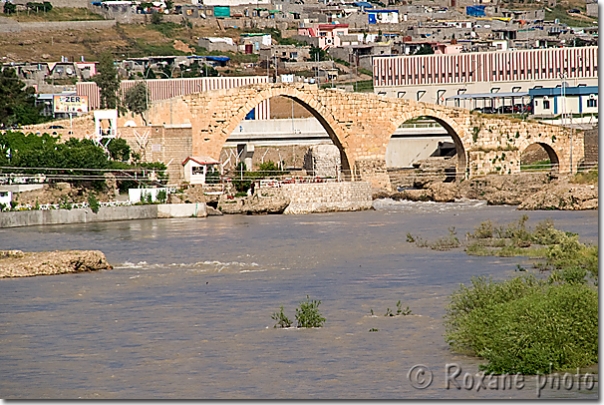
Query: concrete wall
x,y
105,214
327,197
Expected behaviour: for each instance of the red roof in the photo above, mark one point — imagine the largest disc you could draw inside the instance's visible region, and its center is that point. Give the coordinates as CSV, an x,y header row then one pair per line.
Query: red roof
x,y
329,27
201,160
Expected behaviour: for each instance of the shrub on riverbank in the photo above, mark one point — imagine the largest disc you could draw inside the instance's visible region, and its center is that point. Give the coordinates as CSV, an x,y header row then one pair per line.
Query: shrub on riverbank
x,y
524,325
527,324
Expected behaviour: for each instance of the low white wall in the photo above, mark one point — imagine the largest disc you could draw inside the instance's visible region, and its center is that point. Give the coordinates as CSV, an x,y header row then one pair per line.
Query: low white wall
x,y
197,210
13,219
327,197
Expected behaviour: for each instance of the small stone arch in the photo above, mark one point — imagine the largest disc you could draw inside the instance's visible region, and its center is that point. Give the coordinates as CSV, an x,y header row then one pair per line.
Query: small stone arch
x,y
336,134
551,153
457,133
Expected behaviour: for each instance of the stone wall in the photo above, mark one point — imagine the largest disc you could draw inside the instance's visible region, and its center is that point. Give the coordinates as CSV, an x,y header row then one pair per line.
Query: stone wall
x,y
323,161
591,146
327,197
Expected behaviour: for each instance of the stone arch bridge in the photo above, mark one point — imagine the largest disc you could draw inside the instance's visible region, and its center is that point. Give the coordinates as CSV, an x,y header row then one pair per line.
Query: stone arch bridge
x,y
361,125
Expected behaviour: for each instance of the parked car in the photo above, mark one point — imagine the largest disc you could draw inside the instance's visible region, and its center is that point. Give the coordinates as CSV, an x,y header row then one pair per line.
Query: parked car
x,y
56,127
574,11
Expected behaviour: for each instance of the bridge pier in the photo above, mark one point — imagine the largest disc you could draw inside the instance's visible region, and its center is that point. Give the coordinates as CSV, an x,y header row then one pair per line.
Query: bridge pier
x,y
372,171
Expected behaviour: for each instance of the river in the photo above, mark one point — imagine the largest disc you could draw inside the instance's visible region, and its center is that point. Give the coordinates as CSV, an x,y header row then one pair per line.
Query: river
x,y
186,312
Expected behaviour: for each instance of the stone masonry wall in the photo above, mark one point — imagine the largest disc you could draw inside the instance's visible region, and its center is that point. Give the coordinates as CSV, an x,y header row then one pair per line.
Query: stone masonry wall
x,y
327,197
591,146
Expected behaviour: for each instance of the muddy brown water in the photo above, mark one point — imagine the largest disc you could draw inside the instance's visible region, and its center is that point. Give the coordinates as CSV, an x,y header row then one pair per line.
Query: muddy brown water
x,y
186,313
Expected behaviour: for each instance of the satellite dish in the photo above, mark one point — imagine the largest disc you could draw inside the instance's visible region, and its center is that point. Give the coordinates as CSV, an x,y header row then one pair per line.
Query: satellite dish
x,y
69,71
130,124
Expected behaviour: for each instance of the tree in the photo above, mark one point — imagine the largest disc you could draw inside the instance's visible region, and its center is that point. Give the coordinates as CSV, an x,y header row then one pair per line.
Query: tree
x,y
150,74
195,70
317,54
169,4
136,99
17,102
156,18
9,8
108,81
119,150
425,50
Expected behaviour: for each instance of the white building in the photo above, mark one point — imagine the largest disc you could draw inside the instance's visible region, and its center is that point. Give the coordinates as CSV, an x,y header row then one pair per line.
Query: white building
x,y
435,78
6,197
570,100
198,167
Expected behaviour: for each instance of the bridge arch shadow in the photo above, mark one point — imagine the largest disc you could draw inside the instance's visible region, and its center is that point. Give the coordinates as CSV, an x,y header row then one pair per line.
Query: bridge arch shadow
x,y
315,109
539,156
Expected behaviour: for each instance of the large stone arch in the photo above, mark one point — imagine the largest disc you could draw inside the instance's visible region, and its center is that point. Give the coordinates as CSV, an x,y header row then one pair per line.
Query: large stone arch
x,y
223,128
551,153
455,130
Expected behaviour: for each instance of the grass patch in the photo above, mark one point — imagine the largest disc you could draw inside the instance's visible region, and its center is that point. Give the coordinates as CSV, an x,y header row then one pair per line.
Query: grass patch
x,y
56,14
588,177
361,86
167,29
540,165
560,13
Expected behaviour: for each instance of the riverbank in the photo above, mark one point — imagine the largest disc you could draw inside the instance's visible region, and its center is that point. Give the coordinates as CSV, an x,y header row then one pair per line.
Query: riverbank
x,y
16,263
528,191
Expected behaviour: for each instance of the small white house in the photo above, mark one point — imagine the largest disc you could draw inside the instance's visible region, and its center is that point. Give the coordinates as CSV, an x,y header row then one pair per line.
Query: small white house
x,y
197,168
6,197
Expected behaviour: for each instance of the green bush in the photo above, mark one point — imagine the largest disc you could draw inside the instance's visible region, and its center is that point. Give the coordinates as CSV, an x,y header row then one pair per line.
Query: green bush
x,y
524,325
282,320
308,315
93,203
162,196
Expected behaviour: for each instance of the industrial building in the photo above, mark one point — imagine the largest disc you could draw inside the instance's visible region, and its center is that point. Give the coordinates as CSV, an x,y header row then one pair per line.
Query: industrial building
x,y
436,78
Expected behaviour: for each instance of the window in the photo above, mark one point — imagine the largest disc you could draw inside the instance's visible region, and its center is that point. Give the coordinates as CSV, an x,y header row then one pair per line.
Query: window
x,y
546,104
592,102
401,94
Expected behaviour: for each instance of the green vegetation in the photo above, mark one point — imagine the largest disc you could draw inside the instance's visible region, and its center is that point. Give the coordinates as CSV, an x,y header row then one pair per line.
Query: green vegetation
x,y
47,155
445,243
282,320
525,325
560,12
528,324
361,86
55,14
516,239
399,310
307,315
108,81
540,165
162,196
267,169
424,50
136,99
9,8
587,177
317,54
17,102
93,203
